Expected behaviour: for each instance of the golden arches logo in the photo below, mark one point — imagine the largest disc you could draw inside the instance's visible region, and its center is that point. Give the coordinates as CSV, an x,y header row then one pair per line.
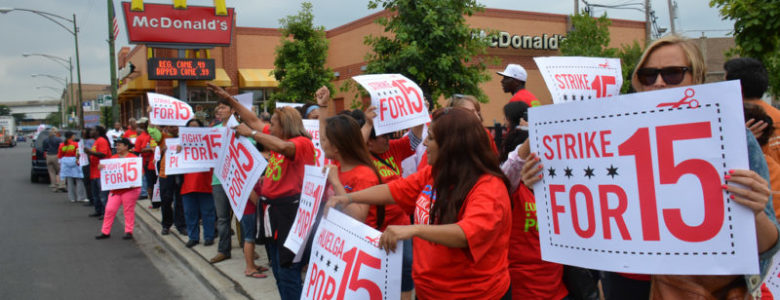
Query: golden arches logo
x,y
219,6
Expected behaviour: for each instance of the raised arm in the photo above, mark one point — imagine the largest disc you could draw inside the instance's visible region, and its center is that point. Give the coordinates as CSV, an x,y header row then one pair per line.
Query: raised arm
x,y
270,142
247,116
323,99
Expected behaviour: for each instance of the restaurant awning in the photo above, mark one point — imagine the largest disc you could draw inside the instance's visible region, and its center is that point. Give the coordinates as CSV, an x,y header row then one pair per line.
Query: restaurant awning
x,y
256,78
221,78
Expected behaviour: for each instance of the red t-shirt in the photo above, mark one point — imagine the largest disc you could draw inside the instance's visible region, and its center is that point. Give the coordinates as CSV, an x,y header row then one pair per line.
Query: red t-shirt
x,y
284,175
67,149
362,177
480,271
196,183
398,150
527,97
141,142
130,133
267,129
394,215
532,278
101,145
119,191
250,208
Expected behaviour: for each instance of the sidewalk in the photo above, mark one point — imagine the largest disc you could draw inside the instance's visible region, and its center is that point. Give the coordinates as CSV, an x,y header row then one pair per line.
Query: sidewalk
x,y
227,277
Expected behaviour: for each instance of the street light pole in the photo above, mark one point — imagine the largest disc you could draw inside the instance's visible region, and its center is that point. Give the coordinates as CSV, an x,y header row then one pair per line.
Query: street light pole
x,y
64,81
69,66
74,32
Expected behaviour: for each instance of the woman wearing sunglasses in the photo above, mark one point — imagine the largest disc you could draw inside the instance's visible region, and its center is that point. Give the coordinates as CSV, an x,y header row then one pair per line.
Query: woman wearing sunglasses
x,y
674,62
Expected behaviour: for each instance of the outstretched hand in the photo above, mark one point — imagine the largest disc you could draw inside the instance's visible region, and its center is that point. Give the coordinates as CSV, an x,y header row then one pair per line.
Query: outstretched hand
x,y
219,91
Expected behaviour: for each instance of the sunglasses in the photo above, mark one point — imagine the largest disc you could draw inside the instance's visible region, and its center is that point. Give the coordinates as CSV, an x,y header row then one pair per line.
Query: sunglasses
x,y
671,75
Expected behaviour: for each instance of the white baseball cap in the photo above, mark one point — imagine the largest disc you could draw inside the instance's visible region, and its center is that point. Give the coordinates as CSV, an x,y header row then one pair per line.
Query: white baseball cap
x,y
515,71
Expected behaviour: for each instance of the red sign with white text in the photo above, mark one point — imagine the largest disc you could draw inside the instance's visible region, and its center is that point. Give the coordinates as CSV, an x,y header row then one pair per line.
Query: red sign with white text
x,y
162,24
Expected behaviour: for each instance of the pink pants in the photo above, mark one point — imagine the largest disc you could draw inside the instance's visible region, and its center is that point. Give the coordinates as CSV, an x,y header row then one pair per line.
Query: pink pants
x,y
127,200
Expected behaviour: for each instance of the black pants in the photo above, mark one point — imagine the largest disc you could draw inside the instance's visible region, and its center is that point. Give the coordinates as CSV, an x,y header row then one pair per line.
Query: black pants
x,y
87,182
619,287
170,195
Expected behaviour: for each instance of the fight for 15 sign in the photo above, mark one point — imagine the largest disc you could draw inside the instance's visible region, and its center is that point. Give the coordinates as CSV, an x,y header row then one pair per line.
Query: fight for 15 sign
x,y
633,183
121,173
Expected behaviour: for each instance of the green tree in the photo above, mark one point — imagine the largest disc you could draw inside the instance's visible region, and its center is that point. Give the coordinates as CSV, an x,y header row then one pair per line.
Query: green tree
x,y
18,117
54,119
756,33
590,37
106,116
300,59
5,110
431,44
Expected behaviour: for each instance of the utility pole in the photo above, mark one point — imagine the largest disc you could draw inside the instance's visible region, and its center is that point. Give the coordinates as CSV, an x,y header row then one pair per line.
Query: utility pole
x,y
112,59
648,24
672,14
80,108
576,7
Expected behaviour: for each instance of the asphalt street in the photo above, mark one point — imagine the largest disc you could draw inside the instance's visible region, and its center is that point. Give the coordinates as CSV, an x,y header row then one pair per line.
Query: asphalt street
x,y
48,249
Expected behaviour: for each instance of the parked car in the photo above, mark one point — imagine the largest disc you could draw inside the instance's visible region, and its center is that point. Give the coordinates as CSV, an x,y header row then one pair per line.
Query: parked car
x,y
21,138
39,169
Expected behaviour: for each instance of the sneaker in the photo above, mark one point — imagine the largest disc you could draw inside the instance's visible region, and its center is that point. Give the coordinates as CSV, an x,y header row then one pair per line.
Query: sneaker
x,y
208,243
102,236
165,231
191,243
85,200
127,236
95,214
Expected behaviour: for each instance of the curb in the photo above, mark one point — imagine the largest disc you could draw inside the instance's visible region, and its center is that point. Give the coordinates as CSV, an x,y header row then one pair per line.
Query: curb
x,y
214,279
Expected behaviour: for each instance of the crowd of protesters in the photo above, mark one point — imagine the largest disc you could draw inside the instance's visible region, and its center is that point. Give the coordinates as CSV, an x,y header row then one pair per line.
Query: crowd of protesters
x,y
460,206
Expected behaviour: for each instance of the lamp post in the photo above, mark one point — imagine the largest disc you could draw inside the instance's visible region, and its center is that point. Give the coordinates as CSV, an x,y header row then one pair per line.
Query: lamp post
x,y
57,19
64,81
67,63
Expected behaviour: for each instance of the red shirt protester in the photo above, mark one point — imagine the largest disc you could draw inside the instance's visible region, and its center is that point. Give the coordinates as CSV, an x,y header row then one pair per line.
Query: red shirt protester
x,y
196,183
525,96
141,142
479,271
67,149
130,133
532,278
101,145
284,175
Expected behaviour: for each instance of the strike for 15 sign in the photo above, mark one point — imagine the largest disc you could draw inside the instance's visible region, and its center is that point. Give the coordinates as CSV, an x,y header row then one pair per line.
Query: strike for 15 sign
x,y
121,173
313,128
238,168
399,102
633,183
200,146
309,207
167,110
346,262
580,78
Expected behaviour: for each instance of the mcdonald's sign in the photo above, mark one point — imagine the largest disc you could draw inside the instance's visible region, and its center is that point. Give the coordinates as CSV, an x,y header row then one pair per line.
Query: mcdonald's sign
x,y
160,24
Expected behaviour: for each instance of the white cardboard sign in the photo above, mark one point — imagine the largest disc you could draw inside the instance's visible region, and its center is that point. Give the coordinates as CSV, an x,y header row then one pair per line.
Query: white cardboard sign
x,y
571,78
200,146
238,168
399,102
167,110
121,173
313,127
83,159
633,183
346,262
309,207
156,192
173,160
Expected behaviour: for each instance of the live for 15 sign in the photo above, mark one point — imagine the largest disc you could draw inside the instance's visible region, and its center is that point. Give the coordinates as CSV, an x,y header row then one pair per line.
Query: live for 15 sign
x,y
633,183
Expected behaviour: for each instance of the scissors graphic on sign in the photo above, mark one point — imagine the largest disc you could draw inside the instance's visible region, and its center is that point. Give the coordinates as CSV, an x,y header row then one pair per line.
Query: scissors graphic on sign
x,y
605,64
692,103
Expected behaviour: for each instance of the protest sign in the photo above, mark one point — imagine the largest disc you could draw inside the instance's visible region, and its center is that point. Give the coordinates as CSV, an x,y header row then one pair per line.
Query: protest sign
x,y
308,208
633,183
399,102
245,99
156,193
83,159
167,110
173,160
313,128
238,168
200,146
571,78
346,262
121,173
290,104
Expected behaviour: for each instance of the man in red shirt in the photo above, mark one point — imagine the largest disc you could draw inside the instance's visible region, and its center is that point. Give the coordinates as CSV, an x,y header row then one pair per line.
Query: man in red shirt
x,y
144,147
514,80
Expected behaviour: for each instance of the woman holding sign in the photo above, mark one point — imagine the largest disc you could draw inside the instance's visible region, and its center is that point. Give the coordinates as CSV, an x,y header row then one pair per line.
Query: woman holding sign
x,y
291,149
668,63
124,197
460,203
